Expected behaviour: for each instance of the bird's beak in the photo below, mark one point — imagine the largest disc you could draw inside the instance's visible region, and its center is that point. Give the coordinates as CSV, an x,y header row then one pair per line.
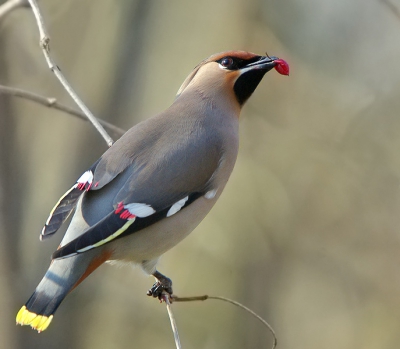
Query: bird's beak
x,y
266,63
250,75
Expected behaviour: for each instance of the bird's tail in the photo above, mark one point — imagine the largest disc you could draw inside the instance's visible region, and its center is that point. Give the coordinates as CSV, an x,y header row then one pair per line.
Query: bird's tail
x,y
62,277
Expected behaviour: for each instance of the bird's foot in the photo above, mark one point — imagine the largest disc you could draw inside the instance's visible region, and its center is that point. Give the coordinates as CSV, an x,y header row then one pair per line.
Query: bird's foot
x,y
162,286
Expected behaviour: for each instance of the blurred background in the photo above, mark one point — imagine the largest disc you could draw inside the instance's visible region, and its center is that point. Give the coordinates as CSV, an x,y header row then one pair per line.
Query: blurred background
x,y
307,230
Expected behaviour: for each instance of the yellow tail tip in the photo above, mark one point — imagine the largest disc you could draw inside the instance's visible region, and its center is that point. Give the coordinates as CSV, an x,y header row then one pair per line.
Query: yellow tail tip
x,y
37,322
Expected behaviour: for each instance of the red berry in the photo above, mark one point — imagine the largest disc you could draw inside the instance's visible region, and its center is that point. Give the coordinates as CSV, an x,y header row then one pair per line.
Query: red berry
x,y
281,66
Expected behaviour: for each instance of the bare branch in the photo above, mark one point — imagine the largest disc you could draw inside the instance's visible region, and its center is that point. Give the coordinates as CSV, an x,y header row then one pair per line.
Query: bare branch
x,y
44,44
166,298
11,5
52,103
175,298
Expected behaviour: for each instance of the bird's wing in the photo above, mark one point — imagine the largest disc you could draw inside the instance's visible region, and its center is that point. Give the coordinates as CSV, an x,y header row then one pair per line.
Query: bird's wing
x,y
66,204
124,220
114,161
152,186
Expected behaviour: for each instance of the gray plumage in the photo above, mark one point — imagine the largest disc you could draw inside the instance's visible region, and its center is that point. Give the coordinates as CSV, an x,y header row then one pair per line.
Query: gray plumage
x,y
154,185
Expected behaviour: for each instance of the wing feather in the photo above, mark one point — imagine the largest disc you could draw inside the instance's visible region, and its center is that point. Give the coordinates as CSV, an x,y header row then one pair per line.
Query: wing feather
x,y
67,203
115,225
163,163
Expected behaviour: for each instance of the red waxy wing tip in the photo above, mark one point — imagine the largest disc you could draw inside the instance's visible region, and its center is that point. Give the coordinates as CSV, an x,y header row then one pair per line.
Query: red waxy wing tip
x,y
282,67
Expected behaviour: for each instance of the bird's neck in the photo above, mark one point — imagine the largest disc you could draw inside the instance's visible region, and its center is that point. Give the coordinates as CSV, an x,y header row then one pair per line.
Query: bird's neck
x,y
208,101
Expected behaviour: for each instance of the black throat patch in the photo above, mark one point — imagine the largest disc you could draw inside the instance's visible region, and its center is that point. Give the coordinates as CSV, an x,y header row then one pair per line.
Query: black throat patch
x,y
247,83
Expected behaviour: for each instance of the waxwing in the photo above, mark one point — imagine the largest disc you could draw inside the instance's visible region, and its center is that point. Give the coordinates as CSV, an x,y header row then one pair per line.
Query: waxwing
x,y
151,188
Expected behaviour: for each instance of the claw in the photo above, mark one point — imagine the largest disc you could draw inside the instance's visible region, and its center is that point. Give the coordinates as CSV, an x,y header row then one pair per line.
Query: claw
x,y
162,286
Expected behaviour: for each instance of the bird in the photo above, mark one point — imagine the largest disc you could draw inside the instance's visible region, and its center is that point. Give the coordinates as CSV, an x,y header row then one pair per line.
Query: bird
x,y
154,185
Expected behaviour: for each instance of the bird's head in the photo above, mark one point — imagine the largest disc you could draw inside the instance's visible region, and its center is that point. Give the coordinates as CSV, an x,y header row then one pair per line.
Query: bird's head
x,y
232,74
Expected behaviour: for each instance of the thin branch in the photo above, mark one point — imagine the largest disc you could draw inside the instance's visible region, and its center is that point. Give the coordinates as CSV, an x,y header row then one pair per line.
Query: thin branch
x,y
11,5
175,298
44,44
52,103
166,298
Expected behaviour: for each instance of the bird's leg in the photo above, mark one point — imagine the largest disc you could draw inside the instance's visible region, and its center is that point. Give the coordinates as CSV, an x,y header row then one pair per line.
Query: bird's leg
x,y
163,284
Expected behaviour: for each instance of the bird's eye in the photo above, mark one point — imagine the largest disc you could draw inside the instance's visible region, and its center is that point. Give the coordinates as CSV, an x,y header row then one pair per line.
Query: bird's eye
x,y
227,62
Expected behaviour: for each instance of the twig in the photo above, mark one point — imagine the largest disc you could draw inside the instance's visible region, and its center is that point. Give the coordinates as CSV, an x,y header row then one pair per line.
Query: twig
x,y
392,7
166,298
205,297
44,44
10,5
52,103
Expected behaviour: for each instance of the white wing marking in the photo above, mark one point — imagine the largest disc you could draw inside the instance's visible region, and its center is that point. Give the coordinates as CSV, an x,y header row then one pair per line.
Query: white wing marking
x,y
176,207
140,210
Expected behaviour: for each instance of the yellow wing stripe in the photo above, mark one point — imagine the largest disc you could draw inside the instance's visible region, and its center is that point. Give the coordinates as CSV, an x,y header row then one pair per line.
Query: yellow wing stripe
x,y
56,205
109,238
37,322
